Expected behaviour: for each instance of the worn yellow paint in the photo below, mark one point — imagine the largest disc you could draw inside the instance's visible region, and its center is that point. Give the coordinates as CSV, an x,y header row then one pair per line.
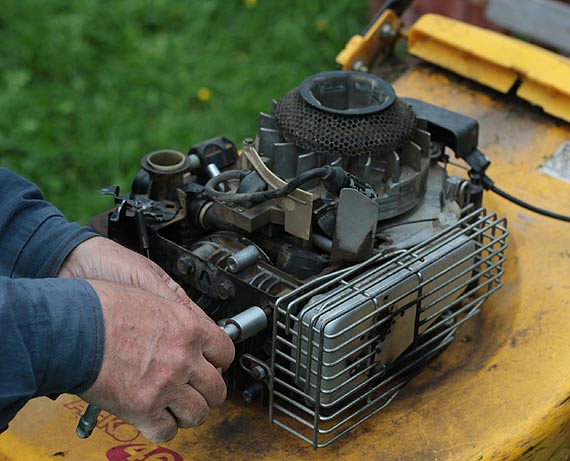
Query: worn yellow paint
x,y
501,391
495,60
12,445
367,48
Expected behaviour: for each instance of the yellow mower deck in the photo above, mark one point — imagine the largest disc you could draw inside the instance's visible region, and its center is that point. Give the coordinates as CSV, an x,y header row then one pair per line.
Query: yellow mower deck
x,y
495,60
501,391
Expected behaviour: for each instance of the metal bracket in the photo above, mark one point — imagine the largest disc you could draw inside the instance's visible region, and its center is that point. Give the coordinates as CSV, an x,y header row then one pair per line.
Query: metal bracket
x,y
360,51
297,206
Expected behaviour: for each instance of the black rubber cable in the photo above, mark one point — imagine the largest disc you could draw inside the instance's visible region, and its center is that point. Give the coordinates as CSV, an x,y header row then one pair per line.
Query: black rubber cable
x,y
327,172
490,185
236,197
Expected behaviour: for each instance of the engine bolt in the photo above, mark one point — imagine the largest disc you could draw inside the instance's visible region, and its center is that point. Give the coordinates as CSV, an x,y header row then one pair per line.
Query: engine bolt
x,y
257,373
185,265
252,392
387,31
226,289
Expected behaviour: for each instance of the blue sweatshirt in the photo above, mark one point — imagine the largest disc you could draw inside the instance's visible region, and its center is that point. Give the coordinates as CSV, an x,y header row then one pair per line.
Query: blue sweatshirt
x,y
52,340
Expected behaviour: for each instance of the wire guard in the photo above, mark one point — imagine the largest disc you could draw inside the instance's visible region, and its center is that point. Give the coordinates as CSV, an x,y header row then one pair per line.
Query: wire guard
x,y
335,363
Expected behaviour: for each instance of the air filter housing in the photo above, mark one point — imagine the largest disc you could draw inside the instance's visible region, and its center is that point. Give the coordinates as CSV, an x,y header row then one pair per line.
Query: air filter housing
x,y
345,113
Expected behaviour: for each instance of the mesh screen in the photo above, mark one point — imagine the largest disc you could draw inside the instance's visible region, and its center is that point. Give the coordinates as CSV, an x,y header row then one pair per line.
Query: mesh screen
x,y
329,133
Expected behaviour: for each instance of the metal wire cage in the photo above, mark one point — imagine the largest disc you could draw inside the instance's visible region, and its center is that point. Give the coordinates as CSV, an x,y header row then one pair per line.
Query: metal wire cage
x,y
345,343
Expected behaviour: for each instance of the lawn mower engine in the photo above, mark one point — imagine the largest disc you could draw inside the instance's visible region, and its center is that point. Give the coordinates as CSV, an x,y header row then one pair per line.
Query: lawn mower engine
x,y
336,244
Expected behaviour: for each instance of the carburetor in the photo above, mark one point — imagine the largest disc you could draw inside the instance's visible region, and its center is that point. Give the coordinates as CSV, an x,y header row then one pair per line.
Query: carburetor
x,y
338,228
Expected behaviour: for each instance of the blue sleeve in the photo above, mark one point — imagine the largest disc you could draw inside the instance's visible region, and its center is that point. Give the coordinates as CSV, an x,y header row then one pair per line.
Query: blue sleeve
x,y
52,343
35,238
53,328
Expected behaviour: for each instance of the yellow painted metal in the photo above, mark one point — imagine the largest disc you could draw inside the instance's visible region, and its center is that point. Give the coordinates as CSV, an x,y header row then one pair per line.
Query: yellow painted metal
x,y
495,60
501,391
365,49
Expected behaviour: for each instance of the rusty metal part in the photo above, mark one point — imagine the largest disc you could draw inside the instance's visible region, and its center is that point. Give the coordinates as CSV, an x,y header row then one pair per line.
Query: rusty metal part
x,y
165,169
204,265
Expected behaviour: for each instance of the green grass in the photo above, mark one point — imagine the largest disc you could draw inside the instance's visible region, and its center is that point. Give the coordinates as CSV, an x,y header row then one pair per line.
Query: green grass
x,y
87,87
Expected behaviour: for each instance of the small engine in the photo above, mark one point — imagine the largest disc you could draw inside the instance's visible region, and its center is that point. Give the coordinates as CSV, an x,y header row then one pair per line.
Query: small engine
x,y
336,243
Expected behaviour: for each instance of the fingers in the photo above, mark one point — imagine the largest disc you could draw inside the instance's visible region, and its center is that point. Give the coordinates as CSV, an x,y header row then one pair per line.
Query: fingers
x,y
208,382
102,259
189,408
218,348
188,404
163,285
191,402
160,428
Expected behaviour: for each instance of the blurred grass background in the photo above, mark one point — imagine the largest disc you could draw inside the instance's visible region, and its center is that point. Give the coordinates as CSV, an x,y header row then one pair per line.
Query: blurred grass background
x,y
87,87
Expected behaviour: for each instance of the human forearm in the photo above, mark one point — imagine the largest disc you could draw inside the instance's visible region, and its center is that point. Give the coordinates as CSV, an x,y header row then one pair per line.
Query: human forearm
x,y
35,238
53,340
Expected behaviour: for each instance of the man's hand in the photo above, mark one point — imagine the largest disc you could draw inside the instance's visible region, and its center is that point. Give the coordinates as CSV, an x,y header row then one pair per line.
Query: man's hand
x,y
162,351
102,259
160,363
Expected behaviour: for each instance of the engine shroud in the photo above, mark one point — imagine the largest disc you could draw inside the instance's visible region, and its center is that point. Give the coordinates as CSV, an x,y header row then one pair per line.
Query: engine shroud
x,y
356,121
365,274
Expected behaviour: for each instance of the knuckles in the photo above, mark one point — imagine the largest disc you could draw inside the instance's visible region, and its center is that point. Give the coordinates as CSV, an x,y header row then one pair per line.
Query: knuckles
x,y
166,378
142,404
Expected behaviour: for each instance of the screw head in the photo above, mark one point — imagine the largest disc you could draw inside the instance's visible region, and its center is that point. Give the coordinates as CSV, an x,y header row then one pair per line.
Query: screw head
x,y
185,265
257,373
359,66
226,290
387,31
